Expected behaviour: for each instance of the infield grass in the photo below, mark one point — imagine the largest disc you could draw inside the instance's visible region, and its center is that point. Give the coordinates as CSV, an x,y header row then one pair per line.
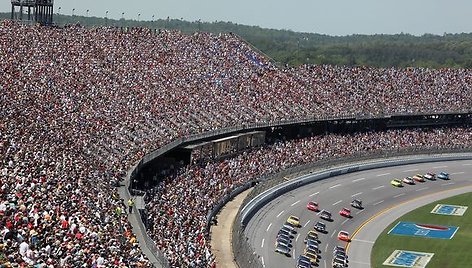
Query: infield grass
x,y
453,253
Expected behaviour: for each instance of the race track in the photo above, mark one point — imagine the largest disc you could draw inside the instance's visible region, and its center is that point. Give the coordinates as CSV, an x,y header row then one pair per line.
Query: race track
x,y
382,202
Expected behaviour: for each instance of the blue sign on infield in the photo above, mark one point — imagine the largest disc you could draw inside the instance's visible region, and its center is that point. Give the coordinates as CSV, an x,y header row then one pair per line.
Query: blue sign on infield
x,y
450,210
407,259
423,230
411,259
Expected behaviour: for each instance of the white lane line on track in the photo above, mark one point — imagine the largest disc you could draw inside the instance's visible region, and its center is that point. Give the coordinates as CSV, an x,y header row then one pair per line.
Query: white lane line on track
x,y
295,203
380,202
332,234
344,221
326,248
410,170
467,164
268,227
378,187
306,223
313,194
325,264
357,213
421,189
278,215
294,254
364,241
262,244
360,179
449,183
457,173
337,202
383,174
359,193
398,195
262,259
439,167
296,238
334,186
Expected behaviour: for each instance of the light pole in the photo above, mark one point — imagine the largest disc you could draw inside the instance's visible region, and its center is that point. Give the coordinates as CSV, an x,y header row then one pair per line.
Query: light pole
x,y
152,18
59,11
87,12
139,16
122,15
73,11
106,18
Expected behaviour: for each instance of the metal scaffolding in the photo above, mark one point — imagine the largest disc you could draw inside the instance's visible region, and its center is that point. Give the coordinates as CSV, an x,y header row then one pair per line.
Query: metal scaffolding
x,y
38,11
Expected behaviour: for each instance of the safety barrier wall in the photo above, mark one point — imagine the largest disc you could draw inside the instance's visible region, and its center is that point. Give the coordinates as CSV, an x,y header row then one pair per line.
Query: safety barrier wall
x,y
259,201
271,123
146,244
243,250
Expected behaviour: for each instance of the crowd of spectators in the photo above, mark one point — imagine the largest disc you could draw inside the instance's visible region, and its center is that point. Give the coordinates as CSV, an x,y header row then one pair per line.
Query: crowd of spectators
x,y
179,205
80,106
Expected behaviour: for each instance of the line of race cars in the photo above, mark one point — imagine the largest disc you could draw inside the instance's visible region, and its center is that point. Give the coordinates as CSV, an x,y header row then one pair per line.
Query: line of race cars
x,y
311,253
419,178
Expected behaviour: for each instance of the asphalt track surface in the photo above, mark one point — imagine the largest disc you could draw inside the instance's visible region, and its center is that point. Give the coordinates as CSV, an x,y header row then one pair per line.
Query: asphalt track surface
x,y
382,203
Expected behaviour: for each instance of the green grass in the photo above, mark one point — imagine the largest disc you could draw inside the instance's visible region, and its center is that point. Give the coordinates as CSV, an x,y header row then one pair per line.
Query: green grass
x,y
453,253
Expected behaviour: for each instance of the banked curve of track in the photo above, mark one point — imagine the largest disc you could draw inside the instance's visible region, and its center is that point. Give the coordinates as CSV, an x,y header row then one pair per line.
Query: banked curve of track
x,y
372,187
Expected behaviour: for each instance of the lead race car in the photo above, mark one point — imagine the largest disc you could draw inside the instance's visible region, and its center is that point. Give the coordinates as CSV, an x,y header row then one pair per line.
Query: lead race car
x,y
443,175
356,203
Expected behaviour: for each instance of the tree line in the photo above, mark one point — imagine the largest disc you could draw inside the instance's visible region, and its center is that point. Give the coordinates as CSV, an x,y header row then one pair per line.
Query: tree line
x,y
295,48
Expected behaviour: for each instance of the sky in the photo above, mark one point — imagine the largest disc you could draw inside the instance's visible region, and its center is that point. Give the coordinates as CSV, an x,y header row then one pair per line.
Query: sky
x,y
332,17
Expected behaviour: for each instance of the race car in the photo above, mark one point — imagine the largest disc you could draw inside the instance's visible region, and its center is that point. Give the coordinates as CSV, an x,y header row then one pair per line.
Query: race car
x,y
340,253
345,212
408,180
338,263
314,248
282,250
294,220
312,255
320,226
396,183
289,227
305,258
283,241
341,259
443,175
313,206
418,177
311,235
344,236
302,263
337,249
286,231
325,215
430,176
284,236
312,243
356,203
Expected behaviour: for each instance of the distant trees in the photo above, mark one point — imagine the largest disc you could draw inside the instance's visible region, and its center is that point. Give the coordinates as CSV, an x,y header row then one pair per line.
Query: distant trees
x,y
292,48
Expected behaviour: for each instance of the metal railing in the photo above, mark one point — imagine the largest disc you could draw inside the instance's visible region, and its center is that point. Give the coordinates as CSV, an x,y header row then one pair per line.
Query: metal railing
x,y
258,125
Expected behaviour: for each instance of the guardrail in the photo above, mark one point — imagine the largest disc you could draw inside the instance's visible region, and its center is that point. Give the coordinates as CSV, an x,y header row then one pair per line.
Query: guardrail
x,y
259,201
267,124
244,252
147,245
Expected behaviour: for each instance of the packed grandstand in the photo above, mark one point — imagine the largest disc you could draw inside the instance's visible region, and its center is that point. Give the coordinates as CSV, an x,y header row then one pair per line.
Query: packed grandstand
x,y
80,106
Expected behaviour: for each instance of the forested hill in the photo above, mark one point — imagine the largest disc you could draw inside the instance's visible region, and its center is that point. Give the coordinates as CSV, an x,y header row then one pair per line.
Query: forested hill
x,y
293,48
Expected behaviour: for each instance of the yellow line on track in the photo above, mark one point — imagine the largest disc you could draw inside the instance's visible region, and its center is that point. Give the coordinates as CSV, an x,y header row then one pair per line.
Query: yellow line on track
x,y
394,206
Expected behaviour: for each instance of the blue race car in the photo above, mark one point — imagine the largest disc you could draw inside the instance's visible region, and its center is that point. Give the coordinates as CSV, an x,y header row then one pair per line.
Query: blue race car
x,y
443,176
